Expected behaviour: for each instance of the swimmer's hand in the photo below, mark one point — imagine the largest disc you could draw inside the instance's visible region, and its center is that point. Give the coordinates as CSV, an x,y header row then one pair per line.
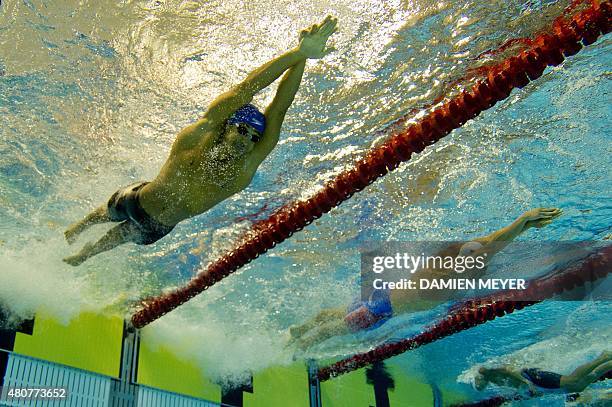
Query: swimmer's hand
x,y
314,39
540,217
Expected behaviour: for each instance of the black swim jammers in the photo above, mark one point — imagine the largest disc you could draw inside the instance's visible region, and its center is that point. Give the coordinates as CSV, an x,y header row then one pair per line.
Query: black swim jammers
x,y
124,206
542,378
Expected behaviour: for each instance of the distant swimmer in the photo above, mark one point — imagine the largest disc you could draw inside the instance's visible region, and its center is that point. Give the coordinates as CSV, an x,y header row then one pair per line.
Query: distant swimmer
x,y
210,160
383,304
534,379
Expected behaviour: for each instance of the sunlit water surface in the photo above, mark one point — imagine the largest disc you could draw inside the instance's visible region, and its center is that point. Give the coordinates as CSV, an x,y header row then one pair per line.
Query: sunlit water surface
x,y
92,96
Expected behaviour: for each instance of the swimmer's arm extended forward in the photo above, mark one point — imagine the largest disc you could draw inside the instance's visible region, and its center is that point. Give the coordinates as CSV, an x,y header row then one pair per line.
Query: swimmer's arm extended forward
x,y
329,322
499,239
227,103
506,375
313,42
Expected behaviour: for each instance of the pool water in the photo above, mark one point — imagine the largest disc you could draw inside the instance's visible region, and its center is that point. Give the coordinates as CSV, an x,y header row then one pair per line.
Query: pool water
x,y
92,96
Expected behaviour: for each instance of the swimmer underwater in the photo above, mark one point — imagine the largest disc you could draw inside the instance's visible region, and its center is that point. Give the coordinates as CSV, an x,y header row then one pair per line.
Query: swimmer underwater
x,y
531,378
383,304
210,160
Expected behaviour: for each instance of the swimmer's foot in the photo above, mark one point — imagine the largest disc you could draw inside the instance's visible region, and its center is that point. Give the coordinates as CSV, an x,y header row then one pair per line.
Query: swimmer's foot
x,y
605,355
73,232
303,343
80,257
75,260
296,341
296,331
99,215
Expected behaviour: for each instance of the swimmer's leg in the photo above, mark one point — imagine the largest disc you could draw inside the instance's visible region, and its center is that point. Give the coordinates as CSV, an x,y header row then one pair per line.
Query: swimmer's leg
x,y
324,316
587,367
120,234
588,373
100,215
324,332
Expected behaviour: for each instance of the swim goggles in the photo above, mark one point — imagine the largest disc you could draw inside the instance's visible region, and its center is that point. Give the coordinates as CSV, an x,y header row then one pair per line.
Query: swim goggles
x,y
248,131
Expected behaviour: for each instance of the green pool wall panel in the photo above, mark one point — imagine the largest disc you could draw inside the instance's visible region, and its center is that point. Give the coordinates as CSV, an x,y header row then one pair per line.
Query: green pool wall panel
x,y
348,390
408,391
160,368
93,342
451,397
279,386
90,342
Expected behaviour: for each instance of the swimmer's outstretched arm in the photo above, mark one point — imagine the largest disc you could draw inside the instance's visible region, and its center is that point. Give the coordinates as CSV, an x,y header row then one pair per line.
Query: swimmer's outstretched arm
x,y
335,327
504,376
226,104
499,239
313,42
323,317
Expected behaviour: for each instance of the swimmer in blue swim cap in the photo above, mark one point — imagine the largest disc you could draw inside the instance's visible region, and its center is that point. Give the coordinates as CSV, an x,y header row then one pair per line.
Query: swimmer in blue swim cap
x,y
211,159
377,306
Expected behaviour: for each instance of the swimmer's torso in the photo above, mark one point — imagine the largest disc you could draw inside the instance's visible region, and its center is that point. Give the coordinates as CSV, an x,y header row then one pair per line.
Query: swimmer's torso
x,y
420,300
200,172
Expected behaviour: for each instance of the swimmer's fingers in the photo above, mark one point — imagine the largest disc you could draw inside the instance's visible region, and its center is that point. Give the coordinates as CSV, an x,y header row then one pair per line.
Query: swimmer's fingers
x,y
326,20
329,27
557,213
550,213
329,23
325,27
312,42
307,32
544,213
541,223
331,31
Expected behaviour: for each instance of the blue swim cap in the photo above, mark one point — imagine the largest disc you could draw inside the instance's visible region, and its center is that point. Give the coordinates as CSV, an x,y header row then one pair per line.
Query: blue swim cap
x,y
250,115
379,303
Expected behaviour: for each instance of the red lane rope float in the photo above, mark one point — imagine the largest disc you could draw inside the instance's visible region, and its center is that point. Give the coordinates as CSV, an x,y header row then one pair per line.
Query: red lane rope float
x,y
547,49
481,310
